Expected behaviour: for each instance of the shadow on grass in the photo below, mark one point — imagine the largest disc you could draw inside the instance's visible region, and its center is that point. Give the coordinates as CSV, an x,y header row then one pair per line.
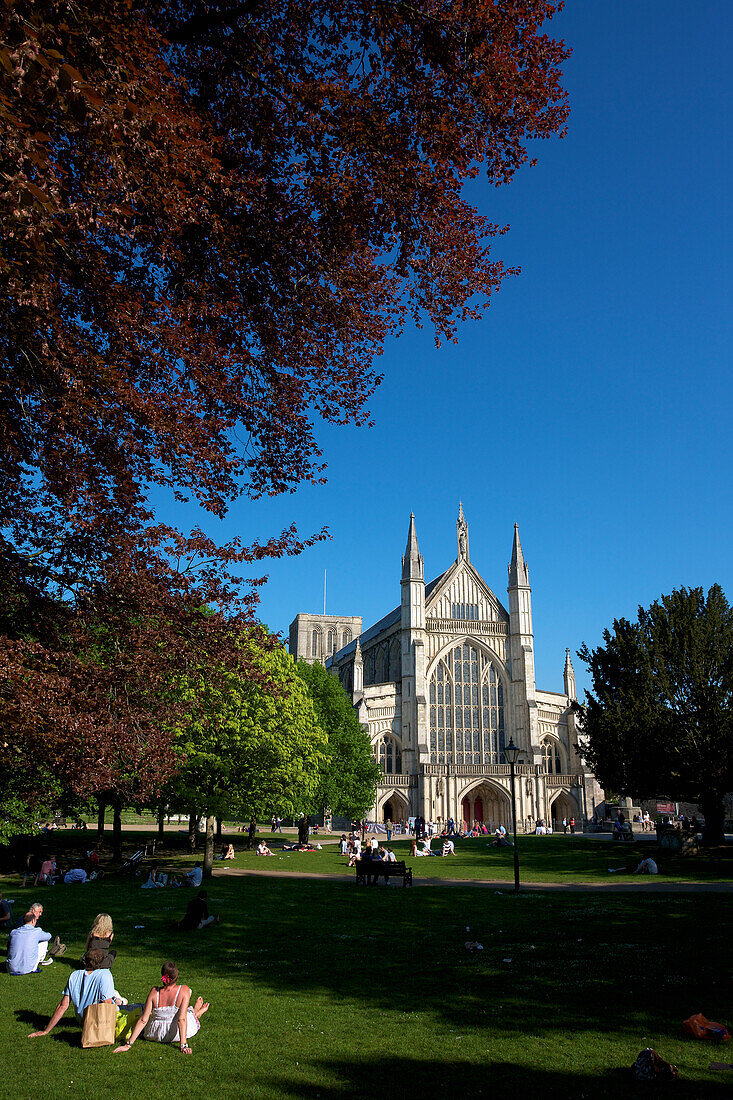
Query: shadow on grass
x,y
552,965
398,1078
64,1032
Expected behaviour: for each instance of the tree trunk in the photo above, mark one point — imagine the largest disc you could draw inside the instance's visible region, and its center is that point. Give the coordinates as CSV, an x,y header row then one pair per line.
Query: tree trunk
x,y
209,848
218,830
100,820
117,830
713,810
161,822
193,822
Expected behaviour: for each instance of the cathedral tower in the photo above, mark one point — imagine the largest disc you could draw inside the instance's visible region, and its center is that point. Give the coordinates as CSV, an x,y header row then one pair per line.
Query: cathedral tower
x,y
412,620
521,651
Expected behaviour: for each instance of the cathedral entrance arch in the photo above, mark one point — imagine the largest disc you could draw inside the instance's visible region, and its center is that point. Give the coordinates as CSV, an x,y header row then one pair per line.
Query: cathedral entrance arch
x,y
487,805
561,807
394,808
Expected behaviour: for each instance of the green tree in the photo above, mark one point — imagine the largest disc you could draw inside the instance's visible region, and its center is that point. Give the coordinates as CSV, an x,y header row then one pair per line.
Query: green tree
x,y
252,747
659,719
349,772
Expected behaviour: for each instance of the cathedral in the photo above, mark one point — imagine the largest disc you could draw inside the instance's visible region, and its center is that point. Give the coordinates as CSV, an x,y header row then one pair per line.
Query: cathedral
x,y
443,683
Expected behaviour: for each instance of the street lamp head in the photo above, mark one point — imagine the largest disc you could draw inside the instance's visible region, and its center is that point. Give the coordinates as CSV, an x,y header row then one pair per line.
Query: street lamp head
x,y
511,752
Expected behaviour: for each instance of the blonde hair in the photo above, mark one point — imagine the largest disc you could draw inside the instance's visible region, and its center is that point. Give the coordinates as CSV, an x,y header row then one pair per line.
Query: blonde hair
x,y
101,928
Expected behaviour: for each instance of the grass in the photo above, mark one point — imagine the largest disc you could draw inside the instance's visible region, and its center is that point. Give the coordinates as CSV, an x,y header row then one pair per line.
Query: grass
x,y
551,859
320,990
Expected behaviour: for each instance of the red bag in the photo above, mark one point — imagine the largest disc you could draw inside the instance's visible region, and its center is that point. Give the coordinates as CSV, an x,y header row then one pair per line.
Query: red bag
x,y
701,1028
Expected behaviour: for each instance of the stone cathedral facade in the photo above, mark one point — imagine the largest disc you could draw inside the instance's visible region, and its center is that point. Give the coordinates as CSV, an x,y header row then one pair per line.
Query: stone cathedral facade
x,y
442,683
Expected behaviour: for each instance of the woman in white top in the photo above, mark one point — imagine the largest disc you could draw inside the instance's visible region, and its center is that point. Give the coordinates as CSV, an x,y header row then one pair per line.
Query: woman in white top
x,y
167,1016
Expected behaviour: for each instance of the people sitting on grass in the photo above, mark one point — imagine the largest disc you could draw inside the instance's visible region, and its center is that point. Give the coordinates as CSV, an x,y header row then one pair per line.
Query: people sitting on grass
x,y
91,986
389,856
300,847
100,939
28,945
155,880
449,848
197,914
167,1016
228,852
195,876
262,849
6,915
75,875
647,867
47,873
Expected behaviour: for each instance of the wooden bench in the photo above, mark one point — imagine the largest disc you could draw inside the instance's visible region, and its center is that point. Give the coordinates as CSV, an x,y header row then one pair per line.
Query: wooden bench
x,y
624,833
368,870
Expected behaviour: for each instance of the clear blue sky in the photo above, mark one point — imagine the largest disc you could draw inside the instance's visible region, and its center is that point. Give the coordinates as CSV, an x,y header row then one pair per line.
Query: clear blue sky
x,y
592,405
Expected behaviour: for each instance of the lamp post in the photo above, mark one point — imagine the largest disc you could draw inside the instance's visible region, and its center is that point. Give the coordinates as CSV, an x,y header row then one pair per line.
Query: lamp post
x,y
511,753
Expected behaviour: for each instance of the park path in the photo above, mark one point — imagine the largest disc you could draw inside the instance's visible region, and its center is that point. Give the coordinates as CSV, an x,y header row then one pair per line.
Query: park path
x,y
645,886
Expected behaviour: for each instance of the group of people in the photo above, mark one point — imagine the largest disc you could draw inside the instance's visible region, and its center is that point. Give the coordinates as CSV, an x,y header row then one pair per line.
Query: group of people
x,y
157,879
167,1015
45,872
446,847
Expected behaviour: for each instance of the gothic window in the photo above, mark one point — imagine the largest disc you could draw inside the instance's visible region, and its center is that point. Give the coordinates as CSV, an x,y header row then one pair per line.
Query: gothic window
x,y
466,699
395,663
551,756
316,644
345,638
384,662
331,647
465,611
390,756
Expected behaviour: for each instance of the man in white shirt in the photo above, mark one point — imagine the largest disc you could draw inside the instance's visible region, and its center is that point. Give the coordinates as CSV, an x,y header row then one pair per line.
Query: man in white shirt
x,y
28,945
389,856
195,876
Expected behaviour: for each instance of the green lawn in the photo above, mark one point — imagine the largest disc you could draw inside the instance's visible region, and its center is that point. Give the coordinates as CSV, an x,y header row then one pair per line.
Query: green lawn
x,y
552,859
322,990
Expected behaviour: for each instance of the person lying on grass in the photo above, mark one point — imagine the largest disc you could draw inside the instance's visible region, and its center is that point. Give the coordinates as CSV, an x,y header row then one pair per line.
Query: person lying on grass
x,y
91,986
167,1016
647,867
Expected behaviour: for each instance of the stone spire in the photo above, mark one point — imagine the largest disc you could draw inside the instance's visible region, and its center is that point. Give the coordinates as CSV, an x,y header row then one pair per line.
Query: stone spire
x,y
412,563
569,677
518,572
462,534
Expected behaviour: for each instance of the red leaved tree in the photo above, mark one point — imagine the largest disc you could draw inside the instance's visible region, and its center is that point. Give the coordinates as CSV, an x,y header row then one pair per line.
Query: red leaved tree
x,y
214,215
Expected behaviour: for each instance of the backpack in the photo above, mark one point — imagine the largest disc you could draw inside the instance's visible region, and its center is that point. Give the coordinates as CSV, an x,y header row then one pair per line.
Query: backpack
x,y
650,1066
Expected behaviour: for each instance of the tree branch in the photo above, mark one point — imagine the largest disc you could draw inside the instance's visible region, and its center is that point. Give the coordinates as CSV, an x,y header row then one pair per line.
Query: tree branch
x,y
207,21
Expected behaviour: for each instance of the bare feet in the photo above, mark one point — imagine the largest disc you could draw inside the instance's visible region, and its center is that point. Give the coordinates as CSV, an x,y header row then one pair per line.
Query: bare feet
x,y
200,1007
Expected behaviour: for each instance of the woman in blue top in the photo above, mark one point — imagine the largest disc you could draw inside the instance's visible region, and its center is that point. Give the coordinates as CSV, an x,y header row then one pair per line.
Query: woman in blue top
x,y
85,987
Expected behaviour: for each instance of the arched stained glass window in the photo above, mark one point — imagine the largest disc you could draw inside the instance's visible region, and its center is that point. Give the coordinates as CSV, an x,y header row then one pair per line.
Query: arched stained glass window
x,y
466,699
316,644
331,646
390,756
345,637
551,756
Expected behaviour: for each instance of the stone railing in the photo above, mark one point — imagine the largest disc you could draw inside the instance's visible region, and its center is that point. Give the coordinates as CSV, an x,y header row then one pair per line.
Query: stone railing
x,y
477,769
397,780
564,780
465,626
